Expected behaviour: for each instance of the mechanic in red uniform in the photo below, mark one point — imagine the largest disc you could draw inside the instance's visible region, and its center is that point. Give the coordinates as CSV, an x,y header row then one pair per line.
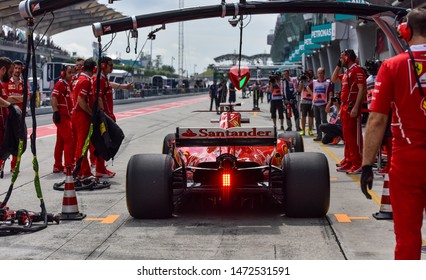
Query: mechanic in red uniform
x,y
78,68
15,94
105,96
62,106
6,72
352,96
397,88
82,113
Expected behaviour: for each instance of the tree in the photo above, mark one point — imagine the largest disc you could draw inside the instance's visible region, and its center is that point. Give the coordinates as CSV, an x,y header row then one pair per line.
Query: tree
x,y
168,68
158,62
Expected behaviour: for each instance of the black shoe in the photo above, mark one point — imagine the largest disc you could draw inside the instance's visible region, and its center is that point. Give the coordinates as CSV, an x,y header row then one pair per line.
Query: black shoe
x,y
282,128
288,129
317,139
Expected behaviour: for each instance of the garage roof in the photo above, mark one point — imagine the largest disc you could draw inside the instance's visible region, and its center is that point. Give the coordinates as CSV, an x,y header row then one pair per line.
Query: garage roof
x,y
79,15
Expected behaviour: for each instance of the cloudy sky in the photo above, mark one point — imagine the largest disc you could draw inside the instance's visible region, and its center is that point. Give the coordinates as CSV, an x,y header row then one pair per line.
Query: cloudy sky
x,y
204,39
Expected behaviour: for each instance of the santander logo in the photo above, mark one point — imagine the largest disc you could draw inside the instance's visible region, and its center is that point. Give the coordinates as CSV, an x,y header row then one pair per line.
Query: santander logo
x,y
189,133
235,132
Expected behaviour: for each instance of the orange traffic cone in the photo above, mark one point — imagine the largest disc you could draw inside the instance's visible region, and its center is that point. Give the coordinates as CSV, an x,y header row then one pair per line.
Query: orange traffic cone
x,y
385,212
69,204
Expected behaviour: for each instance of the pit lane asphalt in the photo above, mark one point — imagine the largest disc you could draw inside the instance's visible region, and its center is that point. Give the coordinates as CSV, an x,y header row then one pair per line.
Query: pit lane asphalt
x,y
109,233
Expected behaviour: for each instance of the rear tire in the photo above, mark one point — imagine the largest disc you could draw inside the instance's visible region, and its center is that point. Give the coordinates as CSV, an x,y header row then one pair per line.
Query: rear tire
x,y
306,185
167,143
297,140
149,186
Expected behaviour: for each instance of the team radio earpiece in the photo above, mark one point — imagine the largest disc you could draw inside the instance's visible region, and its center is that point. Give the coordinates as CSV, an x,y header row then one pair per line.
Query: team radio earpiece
x,y
103,67
405,30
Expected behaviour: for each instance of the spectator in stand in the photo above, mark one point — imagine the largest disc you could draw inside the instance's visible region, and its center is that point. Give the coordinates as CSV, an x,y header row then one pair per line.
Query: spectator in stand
x,y
213,95
62,106
333,129
353,93
15,94
321,89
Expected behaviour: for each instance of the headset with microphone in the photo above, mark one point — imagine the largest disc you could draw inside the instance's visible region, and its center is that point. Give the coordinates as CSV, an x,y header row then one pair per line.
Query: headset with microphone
x,y
405,31
63,72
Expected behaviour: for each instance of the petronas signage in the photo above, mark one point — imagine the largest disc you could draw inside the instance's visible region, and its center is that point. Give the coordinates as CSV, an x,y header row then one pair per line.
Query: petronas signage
x,y
321,33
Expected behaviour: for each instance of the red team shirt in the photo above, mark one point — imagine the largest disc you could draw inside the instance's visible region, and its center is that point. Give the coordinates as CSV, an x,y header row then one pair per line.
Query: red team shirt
x,y
350,80
396,88
16,90
83,88
4,112
62,92
105,93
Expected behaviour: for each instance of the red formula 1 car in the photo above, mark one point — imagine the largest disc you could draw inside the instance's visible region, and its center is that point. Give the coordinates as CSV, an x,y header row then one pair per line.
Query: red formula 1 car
x,y
230,164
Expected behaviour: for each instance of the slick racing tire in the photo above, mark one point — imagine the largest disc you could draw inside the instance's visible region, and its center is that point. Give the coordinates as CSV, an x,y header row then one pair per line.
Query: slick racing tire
x,y
297,139
149,186
167,143
306,186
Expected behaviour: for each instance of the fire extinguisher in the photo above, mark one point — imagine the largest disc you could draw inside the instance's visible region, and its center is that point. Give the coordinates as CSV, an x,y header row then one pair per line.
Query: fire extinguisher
x,y
288,110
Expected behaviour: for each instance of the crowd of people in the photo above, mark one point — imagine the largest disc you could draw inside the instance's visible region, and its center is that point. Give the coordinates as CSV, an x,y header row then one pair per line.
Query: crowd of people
x,y
19,38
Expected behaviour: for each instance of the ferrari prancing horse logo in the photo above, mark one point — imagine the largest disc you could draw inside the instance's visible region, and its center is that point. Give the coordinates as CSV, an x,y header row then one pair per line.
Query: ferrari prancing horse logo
x,y
419,68
423,105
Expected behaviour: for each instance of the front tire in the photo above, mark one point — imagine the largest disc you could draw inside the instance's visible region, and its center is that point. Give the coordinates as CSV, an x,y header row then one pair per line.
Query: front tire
x,y
149,186
306,185
296,139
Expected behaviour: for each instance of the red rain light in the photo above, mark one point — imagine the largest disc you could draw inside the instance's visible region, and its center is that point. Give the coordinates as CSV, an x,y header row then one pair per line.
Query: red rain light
x,y
226,180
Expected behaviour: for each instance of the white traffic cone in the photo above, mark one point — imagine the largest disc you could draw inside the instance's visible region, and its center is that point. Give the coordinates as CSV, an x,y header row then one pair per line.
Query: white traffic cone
x,y
69,204
385,212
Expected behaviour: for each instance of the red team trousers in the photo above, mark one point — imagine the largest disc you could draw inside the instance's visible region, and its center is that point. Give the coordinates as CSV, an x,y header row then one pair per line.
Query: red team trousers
x,y
82,130
352,133
65,142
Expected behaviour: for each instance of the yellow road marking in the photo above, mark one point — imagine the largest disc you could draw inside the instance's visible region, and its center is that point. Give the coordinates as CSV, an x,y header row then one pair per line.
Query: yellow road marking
x,y
354,177
343,218
107,220
333,179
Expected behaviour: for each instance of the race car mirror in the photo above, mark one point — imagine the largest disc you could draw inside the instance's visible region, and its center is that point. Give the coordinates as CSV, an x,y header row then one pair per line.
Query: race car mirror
x,y
239,80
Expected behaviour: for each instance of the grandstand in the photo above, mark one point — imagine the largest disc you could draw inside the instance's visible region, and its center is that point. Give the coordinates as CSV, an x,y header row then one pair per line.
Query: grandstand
x,y
13,32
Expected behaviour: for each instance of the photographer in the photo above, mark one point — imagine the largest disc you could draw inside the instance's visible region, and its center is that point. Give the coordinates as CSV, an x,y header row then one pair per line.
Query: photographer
x,y
306,102
276,101
333,129
290,100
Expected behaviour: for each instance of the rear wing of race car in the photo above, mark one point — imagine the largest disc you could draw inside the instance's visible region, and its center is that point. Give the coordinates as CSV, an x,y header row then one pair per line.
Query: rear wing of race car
x,y
215,136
